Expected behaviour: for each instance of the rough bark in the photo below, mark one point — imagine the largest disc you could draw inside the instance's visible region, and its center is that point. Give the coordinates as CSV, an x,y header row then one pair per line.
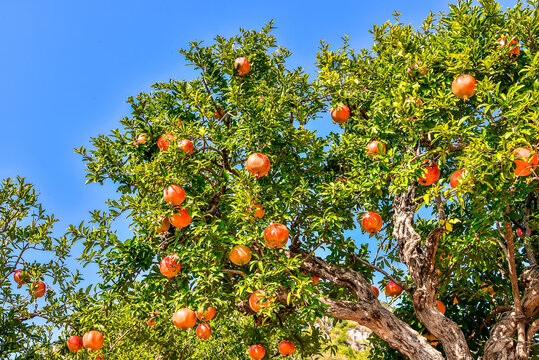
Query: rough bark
x,y
368,311
419,260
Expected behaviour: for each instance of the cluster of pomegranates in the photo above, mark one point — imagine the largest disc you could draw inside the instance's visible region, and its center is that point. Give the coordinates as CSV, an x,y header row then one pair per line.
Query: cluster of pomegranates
x,y
36,290
91,341
285,348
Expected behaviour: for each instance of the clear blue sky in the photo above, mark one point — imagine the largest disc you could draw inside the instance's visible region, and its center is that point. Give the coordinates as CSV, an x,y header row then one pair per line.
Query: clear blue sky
x,y
66,68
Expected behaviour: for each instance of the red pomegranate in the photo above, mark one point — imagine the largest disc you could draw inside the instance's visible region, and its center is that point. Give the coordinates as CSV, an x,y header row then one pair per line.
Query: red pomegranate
x,y
276,236
181,218
141,139
170,266
431,173
186,146
457,178
258,164
203,331
206,314
286,347
242,65
340,114
256,211
257,352
520,233
164,141
376,147
20,277
375,290
254,301
74,343
93,340
315,279
393,289
526,161
164,226
464,86
371,222
38,289
240,255
514,50
184,318
174,194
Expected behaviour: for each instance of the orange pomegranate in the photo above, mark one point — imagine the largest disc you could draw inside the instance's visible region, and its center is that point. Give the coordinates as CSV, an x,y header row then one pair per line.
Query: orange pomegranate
x,y
458,178
151,321
376,147
464,86
513,50
184,318
240,255
526,161
181,218
257,351
392,289
141,139
340,114
242,65
286,347
203,331
186,145
455,301
371,222
254,301
164,141
440,306
164,226
276,236
38,289
258,164
170,266
74,343
431,173
20,277
93,340
206,314
256,211
174,194
315,279
375,290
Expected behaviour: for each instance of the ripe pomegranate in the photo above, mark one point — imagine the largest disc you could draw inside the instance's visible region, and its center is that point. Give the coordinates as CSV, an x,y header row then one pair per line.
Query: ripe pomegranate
x,y
455,301
180,219
315,279
257,352
276,236
457,178
526,161
186,145
440,306
20,277
164,141
431,173
151,321
219,113
340,114
170,266
286,347
376,147
464,86
93,340
203,331
242,65
174,194
184,318
38,290
74,343
254,301
164,227
418,68
258,164
141,139
393,289
240,255
371,222
100,357
514,50
520,233
206,314
256,211
375,290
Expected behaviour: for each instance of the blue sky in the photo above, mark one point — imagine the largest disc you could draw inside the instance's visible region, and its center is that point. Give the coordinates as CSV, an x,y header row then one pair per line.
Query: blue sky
x,y
67,67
